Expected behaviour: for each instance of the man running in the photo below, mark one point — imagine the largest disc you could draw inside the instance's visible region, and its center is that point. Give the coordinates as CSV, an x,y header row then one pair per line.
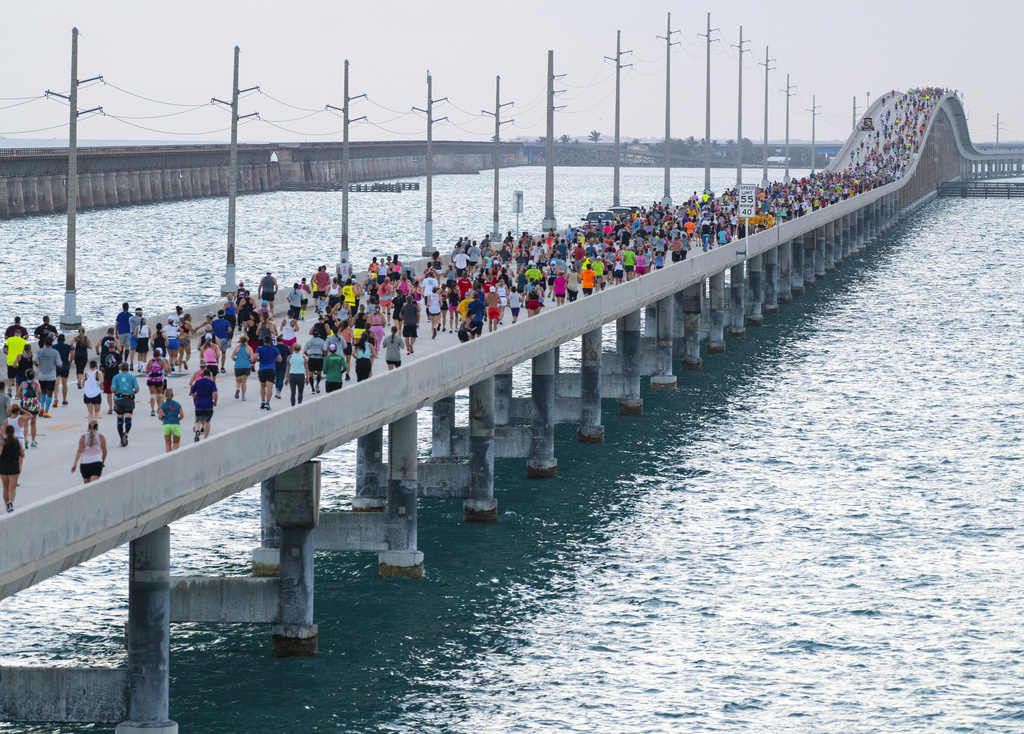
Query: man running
x,y
125,387
268,289
204,398
267,357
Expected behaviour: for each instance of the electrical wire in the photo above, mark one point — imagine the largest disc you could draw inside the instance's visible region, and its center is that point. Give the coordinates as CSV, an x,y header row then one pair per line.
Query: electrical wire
x,y
148,99
285,104
19,104
169,132
303,134
37,130
159,117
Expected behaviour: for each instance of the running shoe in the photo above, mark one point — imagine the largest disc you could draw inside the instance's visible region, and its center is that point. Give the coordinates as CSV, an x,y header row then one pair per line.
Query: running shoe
x,y
65,402
152,413
33,444
238,392
197,436
10,507
46,415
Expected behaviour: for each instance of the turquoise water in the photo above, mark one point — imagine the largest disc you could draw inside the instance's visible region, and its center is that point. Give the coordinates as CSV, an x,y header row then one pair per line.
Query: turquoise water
x,y
819,532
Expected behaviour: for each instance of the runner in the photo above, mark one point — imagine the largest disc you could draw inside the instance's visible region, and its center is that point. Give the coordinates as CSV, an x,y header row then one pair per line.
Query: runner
x,y
125,388
81,346
92,451
156,379
204,398
298,372
392,345
171,415
242,357
268,289
267,358
47,361
335,367
315,350
28,393
92,384
12,458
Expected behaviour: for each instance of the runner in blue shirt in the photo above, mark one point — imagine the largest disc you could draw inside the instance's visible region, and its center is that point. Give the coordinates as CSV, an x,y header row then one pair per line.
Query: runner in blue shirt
x,y
267,357
204,397
124,386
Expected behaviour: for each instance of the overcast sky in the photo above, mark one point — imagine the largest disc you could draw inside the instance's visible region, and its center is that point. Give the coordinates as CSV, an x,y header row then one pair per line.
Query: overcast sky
x,y
181,53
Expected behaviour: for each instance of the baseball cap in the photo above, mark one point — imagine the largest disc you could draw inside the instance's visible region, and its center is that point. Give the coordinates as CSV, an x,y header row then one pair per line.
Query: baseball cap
x,y
333,348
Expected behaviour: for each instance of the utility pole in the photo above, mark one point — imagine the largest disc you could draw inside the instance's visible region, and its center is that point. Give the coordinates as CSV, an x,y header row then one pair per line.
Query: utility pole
x,y
997,129
739,113
495,234
346,169
70,318
855,113
814,119
428,244
618,87
549,222
707,113
230,283
767,66
666,200
867,103
789,93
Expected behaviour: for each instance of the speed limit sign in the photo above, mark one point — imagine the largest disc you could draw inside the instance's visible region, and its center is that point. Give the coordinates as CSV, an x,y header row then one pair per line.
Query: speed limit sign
x,y
747,200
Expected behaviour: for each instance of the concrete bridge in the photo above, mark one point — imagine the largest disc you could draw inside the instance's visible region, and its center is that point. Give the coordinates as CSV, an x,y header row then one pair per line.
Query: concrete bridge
x,y
660,321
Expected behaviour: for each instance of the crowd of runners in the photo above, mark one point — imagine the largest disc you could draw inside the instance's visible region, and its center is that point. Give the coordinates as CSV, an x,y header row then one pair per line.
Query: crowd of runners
x,y
337,324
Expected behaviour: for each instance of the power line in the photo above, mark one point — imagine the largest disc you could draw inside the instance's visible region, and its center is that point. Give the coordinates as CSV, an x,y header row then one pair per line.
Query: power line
x,y
148,99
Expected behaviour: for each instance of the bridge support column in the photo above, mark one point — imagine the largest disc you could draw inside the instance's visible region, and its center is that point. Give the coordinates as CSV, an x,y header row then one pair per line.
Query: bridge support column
x,y
716,335
820,253
861,240
99,191
5,211
830,247
785,280
665,313
770,301
810,252
30,194
847,237
402,557
481,507
442,427
46,194
502,397
156,185
690,303
541,463
737,286
297,507
755,291
590,429
145,187
370,496
149,636
266,559
630,402
124,194
110,189
797,256
60,194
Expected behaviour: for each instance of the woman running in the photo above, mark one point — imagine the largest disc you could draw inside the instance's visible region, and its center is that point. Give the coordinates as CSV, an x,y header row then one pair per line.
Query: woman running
x,y
364,354
298,372
80,347
142,344
156,379
29,393
92,384
92,453
12,456
242,356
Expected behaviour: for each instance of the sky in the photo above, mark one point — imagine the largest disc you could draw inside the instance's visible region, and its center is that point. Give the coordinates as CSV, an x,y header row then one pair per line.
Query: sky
x,y
162,63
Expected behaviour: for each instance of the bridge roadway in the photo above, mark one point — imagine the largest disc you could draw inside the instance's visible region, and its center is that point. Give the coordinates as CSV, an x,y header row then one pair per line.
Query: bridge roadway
x,y
136,503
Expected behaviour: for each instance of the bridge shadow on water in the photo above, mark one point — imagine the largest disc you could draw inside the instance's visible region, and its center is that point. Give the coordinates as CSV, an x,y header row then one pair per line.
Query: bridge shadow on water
x,y
389,648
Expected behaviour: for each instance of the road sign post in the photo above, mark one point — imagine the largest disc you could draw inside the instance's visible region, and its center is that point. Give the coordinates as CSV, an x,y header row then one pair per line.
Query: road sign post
x,y
746,209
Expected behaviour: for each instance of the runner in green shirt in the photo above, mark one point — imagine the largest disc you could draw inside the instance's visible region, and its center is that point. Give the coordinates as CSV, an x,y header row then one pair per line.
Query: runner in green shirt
x,y
335,367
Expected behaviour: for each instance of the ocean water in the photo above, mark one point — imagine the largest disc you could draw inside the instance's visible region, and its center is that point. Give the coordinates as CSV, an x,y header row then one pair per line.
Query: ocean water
x,y
819,532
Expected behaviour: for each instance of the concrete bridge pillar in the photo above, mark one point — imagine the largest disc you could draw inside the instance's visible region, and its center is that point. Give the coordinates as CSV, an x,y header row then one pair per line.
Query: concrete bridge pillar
x,y
124,194
651,320
590,429
784,253
737,286
861,230
156,185
689,302
831,246
297,509
630,402
30,194
145,187
99,191
213,174
266,558
172,184
664,379
480,506
5,211
85,200
369,460
46,194
541,463
716,335
149,635
502,397
810,253
110,189
185,176
442,427
403,557
820,253
223,174
59,185
797,257
755,291
770,301
196,174
847,244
